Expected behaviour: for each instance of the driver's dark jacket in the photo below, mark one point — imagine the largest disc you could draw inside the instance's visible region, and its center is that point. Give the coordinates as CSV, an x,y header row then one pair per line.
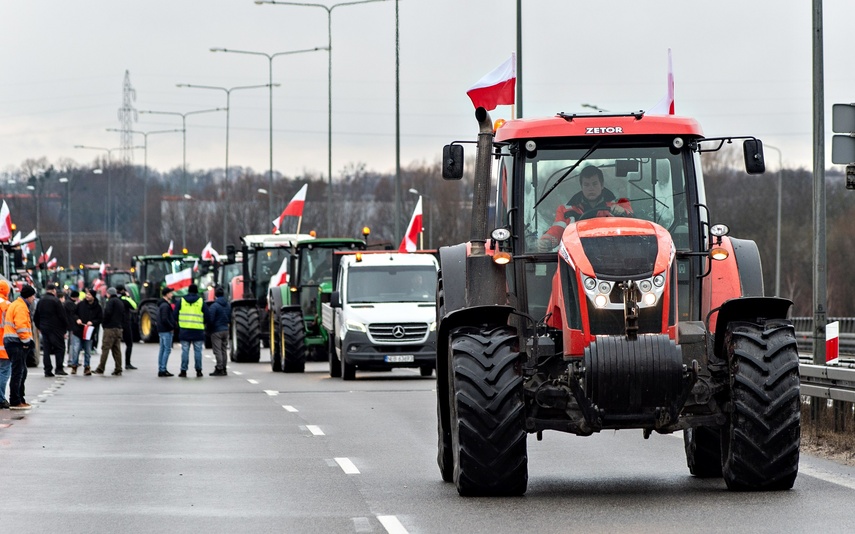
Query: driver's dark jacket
x,y
578,205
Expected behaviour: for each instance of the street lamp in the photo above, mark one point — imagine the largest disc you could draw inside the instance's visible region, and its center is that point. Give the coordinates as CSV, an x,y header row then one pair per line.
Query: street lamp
x,y
145,177
228,92
270,85
430,221
329,10
184,159
67,183
107,227
778,238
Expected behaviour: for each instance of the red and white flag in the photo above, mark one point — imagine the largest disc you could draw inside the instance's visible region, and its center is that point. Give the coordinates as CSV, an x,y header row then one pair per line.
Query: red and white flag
x,y
666,105
209,254
169,250
196,266
103,271
88,330
17,239
496,88
181,279
410,241
29,238
52,263
5,223
46,255
293,209
281,276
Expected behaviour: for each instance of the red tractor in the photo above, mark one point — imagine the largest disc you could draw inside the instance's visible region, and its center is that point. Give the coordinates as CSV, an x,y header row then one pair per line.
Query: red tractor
x,y
605,298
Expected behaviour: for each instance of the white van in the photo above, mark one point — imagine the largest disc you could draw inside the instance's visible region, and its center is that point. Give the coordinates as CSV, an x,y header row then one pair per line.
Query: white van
x,y
382,313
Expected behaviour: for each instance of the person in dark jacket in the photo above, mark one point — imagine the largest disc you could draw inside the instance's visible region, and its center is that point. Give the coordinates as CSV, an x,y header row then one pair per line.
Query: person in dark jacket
x,y
51,321
221,313
127,331
114,318
89,317
70,307
191,314
165,327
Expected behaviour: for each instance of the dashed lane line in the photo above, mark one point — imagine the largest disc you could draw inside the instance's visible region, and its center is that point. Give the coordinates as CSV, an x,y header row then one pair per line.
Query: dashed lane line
x,y
271,392
237,373
391,524
251,381
347,466
290,408
316,430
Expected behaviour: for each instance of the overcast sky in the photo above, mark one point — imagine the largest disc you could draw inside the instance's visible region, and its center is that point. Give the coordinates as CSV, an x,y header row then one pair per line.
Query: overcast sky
x,y
740,67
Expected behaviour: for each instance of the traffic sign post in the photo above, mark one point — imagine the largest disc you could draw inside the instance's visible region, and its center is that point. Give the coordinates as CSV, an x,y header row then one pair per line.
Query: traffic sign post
x,y
843,146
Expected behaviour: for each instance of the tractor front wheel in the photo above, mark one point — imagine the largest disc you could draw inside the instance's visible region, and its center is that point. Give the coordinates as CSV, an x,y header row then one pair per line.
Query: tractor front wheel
x,y
275,346
487,421
148,323
293,342
245,334
760,445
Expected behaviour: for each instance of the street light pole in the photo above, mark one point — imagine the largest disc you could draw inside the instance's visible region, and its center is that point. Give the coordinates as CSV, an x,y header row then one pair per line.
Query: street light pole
x,y
184,159
270,85
778,237
329,10
228,91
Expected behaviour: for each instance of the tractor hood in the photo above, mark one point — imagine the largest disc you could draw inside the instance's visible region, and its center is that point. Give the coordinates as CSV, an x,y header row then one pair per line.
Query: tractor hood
x,y
617,248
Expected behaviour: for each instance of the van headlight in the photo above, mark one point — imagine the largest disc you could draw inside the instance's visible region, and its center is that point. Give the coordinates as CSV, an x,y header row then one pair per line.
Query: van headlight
x,y
355,326
433,326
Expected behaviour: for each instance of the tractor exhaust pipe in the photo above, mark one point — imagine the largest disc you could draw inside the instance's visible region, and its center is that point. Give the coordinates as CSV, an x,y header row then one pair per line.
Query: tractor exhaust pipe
x,y
481,191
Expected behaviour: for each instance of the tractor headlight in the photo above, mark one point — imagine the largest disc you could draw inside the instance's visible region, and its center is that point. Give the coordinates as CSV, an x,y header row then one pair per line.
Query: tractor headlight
x,y
600,301
658,280
645,286
590,283
605,288
649,299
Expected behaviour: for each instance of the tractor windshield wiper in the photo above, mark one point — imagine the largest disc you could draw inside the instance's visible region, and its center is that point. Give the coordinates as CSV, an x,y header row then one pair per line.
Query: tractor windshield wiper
x,y
566,174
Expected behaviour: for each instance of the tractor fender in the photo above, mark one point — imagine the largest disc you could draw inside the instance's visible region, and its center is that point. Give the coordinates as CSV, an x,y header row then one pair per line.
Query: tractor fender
x,y
279,299
739,275
755,310
750,268
469,281
244,303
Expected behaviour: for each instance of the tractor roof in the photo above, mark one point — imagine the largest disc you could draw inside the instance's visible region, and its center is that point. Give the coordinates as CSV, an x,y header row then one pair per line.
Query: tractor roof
x,y
330,242
274,240
590,125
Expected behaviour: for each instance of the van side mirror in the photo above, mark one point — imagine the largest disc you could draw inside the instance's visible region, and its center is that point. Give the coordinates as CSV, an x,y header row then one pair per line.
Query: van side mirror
x,y
335,299
452,162
755,163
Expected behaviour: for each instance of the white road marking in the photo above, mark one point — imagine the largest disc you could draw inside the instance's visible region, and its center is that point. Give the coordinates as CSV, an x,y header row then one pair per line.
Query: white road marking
x,y
251,381
840,480
290,408
347,466
237,373
271,392
391,524
315,430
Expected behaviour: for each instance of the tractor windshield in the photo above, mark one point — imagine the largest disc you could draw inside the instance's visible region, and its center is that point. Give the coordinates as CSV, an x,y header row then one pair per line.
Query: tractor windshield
x,y
265,263
645,182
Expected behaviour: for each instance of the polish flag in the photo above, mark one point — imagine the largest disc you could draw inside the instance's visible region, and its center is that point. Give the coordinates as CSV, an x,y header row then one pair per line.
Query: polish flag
x,y
5,223
103,271
46,256
410,241
88,330
169,251
293,209
666,105
29,238
196,266
181,279
497,87
209,254
52,264
17,239
281,276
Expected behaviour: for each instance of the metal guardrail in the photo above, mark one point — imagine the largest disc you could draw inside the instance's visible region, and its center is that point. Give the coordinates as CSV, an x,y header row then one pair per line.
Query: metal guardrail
x,y
831,382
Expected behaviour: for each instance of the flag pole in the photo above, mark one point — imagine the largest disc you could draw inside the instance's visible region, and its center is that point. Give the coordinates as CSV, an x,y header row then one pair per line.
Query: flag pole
x,y
299,223
422,239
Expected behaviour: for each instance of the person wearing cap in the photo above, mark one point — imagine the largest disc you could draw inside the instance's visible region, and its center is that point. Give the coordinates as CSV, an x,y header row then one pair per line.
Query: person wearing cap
x,y
5,363
51,321
127,330
70,307
114,318
88,318
191,313
221,313
18,341
165,327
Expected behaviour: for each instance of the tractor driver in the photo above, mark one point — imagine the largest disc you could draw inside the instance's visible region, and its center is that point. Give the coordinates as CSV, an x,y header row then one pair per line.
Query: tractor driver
x,y
593,200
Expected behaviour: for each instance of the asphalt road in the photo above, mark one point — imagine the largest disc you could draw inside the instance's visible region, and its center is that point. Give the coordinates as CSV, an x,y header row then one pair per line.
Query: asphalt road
x,y
268,452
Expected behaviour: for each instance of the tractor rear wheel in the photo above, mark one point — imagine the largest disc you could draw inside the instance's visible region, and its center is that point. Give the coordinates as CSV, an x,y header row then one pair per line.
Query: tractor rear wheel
x,y
444,456
487,420
293,341
245,335
703,451
148,323
275,346
760,444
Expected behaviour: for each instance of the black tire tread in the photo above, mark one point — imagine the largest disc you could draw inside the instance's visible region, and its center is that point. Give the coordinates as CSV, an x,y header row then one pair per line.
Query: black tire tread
x,y
293,342
703,451
247,330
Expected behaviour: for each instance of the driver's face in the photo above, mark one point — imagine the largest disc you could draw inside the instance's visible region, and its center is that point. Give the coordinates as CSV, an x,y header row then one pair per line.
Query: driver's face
x,y
591,187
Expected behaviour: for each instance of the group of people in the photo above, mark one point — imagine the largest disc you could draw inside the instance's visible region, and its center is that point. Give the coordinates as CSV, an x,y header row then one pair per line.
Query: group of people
x,y
69,323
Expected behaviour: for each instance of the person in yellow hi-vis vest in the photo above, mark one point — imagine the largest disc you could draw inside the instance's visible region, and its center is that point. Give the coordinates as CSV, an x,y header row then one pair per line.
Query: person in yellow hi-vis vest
x,y
5,363
191,314
18,340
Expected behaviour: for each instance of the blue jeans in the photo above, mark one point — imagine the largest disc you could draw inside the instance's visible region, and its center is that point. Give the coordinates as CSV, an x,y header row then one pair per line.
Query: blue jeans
x,y
5,373
197,353
165,350
76,345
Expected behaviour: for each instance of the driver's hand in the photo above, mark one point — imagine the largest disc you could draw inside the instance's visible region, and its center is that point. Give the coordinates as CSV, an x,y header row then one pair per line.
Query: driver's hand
x,y
546,243
617,210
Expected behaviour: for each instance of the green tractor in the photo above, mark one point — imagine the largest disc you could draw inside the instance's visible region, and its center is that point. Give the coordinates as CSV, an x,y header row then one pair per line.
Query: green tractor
x,y
296,332
150,272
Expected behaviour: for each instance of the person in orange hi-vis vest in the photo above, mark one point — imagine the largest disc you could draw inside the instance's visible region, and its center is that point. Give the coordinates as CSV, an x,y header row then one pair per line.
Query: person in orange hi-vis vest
x,y
18,340
5,363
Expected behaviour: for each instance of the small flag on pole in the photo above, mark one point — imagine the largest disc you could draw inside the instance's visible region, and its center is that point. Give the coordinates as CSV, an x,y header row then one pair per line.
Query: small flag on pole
x,y
181,279
5,222
666,105
169,250
88,330
497,87
293,209
410,243
209,254
281,276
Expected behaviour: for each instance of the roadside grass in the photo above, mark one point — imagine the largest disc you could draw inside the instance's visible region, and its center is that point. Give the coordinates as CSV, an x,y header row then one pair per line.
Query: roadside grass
x,y
832,435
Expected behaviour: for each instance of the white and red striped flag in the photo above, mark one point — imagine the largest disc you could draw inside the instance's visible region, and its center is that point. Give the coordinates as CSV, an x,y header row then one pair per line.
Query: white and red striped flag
x,y
52,263
666,105
281,276
103,271
196,266
410,243
293,209
209,254
88,330
181,279
46,255
169,250
498,87
5,222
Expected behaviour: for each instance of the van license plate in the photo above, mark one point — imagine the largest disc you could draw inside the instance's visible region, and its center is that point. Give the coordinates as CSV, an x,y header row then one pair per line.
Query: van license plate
x,y
400,358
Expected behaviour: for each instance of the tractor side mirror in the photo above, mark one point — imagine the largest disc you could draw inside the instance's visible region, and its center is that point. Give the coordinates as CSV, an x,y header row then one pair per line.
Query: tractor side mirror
x,y
335,299
19,258
452,162
230,253
625,166
755,163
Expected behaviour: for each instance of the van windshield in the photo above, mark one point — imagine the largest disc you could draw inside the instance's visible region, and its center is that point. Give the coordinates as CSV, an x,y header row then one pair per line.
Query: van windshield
x,y
369,285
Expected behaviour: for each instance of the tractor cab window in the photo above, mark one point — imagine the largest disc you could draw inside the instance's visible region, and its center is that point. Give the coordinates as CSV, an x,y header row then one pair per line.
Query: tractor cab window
x,y
266,263
641,182
316,266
